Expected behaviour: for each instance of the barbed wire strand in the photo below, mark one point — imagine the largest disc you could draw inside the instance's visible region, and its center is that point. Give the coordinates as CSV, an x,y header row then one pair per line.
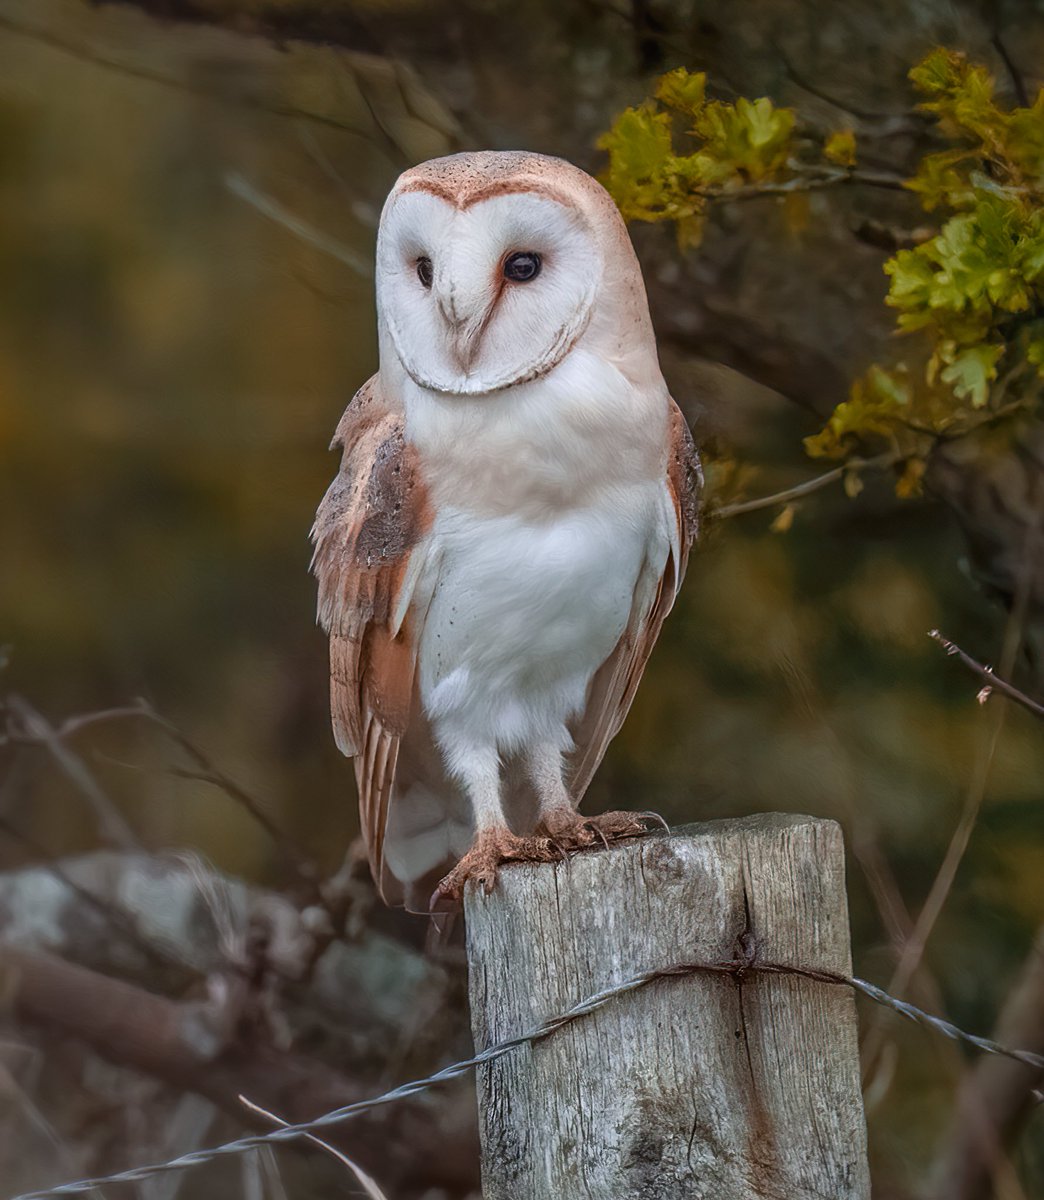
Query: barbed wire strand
x,y
745,963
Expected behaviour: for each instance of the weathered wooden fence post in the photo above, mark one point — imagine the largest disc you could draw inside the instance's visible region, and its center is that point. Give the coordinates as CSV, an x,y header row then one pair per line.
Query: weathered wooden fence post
x,y
706,1087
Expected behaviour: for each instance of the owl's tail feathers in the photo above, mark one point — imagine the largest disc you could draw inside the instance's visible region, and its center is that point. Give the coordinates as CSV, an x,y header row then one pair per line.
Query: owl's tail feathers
x,y
423,840
428,827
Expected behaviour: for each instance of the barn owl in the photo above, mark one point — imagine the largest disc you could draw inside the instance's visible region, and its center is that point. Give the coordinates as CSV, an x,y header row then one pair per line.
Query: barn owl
x,y
509,527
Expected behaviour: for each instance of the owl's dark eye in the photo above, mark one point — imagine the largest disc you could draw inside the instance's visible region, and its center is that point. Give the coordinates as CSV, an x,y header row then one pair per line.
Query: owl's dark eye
x,y
424,271
522,266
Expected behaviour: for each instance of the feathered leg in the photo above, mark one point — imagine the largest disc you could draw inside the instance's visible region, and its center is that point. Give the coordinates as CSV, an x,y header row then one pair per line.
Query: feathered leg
x,y
559,819
494,843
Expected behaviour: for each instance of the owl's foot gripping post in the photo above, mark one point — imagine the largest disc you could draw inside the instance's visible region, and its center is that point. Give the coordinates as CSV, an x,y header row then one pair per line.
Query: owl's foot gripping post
x,y
560,830
559,821
572,831
492,846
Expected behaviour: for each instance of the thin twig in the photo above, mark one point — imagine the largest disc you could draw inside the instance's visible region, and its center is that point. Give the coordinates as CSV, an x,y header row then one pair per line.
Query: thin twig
x,y
72,725
45,37
296,857
942,884
34,729
805,183
1018,84
113,827
275,211
206,772
393,148
879,462
994,683
369,1184
806,85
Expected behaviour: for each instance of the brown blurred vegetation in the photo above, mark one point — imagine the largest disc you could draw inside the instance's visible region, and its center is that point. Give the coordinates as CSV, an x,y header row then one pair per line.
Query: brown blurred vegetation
x,y
173,362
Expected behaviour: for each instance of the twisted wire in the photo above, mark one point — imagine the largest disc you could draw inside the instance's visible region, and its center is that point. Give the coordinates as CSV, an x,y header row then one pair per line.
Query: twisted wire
x,y
743,964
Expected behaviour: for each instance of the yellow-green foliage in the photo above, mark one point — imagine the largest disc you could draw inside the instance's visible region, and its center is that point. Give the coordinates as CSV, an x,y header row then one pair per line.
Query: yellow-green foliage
x,y
974,293
734,145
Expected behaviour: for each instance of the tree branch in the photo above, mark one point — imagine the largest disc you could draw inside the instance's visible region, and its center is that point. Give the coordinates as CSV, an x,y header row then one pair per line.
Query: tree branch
x,y
274,211
895,122
993,682
879,462
807,182
113,827
939,892
45,37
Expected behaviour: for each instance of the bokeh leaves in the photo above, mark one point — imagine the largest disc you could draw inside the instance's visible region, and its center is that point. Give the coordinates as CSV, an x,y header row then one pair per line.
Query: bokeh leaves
x,y
733,145
972,294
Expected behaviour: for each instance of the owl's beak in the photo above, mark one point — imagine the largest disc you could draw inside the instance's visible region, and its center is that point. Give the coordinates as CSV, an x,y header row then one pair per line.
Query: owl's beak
x,y
465,333
466,318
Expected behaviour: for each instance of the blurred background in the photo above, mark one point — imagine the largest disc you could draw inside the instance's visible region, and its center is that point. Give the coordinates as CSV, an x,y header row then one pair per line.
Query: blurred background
x,y
188,204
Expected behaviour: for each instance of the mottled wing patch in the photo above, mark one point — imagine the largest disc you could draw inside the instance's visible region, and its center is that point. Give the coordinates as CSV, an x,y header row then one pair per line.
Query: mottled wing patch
x,y
685,477
369,522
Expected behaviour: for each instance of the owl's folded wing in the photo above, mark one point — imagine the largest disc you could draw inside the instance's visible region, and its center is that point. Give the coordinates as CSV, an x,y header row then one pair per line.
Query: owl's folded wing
x,y
367,532
616,681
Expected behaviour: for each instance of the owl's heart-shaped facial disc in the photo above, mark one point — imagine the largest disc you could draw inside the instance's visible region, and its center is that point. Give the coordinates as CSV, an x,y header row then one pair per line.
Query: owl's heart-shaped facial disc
x,y
480,297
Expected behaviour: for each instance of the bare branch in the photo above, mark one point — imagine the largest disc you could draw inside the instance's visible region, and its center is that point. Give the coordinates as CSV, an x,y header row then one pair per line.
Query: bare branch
x,y
880,462
73,725
113,827
807,181
45,37
34,729
938,893
369,1184
892,122
1018,84
275,211
993,681
296,857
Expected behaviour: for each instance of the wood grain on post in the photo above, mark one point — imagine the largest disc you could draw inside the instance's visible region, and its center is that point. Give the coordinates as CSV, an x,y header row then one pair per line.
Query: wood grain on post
x,y
705,1087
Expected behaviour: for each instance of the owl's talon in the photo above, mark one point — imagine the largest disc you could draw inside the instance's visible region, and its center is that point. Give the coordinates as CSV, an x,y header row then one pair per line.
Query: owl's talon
x,y
566,829
656,820
604,839
488,851
617,826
